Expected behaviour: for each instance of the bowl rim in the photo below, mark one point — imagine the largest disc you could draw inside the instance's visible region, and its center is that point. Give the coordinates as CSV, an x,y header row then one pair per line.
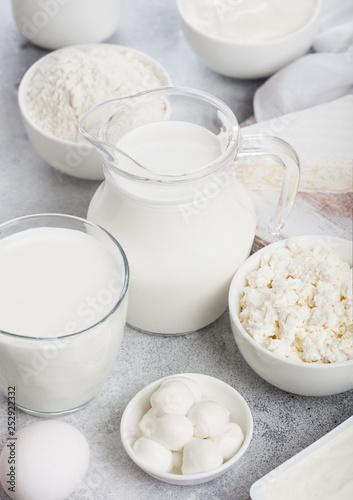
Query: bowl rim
x,y
187,478
242,271
275,41
21,93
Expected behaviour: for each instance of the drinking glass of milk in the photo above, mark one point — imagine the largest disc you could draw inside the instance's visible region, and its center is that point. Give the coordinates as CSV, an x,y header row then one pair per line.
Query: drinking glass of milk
x,y
63,303
172,198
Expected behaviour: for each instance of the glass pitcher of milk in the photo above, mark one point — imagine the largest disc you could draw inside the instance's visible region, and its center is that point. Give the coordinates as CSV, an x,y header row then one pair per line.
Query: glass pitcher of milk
x,y
172,199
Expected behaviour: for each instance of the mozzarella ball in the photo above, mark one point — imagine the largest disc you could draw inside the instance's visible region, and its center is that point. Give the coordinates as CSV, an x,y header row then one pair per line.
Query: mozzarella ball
x,y
147,424
171,431
49,460
192,384
208,418
229,441
200,455
173,397
178,461
153,454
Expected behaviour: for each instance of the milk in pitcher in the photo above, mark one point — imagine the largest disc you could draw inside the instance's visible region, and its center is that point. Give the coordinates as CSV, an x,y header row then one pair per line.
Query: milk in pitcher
x,y
183,242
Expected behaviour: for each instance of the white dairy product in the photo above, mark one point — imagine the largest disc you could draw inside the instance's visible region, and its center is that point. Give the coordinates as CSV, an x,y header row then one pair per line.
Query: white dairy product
x,y
173,397
171,431
325,156
49,275
56,282
184,435
45,460
178,461
171,147
298,304
208,418
200,455
229,441
248,21
74,79
173,234
325,474
194,386
153,454
147,424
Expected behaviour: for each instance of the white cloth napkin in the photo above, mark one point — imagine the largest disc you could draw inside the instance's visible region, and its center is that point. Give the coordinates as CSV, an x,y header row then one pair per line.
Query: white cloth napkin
x,y
314,78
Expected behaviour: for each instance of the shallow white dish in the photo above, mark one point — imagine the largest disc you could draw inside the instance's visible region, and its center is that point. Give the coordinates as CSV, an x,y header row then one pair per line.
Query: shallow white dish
x,y
258,489
249,60
210,387
72,158
306,379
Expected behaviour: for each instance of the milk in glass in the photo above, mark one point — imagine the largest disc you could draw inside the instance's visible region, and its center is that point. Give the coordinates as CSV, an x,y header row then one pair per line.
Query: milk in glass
x,y
58,335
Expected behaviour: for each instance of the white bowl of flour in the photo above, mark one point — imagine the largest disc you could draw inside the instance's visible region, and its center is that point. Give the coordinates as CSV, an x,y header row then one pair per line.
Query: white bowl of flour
x,y
60,87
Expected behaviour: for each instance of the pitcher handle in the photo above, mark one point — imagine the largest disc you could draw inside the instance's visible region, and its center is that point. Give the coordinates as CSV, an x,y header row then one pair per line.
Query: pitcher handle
x,y
258,145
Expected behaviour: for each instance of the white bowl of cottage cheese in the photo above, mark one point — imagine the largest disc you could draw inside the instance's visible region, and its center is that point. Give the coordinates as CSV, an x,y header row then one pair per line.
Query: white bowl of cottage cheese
x,y
63,85
290,307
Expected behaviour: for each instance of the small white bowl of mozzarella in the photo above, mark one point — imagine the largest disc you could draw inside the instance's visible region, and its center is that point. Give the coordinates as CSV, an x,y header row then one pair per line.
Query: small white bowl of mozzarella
x,y
186,429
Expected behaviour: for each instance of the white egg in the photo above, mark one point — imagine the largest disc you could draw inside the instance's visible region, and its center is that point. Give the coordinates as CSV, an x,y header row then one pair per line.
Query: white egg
x,y
209,418
192,384
171,431
153,454
46,460
172,397
200,455
229,441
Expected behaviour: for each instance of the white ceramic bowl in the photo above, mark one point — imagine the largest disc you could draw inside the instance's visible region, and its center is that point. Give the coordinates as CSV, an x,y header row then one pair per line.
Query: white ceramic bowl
x,y
301,378
211,388
248,60
72,158
53,24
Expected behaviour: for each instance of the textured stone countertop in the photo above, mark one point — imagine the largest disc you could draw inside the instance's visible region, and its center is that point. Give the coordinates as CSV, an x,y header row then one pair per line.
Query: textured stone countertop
x,y
284,423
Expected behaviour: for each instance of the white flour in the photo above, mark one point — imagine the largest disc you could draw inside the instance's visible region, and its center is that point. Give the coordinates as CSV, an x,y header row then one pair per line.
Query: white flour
x,y
74,79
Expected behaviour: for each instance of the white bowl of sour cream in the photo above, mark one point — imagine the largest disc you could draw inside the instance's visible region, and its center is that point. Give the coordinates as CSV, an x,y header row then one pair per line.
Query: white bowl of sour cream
x,y
295,329
249,39
210,406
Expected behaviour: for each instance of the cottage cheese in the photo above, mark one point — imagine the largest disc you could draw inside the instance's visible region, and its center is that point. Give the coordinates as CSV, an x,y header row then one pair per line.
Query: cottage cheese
x,y
298,304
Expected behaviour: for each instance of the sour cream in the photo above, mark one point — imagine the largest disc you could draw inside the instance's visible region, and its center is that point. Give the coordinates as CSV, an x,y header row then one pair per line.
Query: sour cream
x,y
248,21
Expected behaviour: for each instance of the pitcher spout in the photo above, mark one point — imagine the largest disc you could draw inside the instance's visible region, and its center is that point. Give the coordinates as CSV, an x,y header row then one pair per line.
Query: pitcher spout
x,y
105,124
